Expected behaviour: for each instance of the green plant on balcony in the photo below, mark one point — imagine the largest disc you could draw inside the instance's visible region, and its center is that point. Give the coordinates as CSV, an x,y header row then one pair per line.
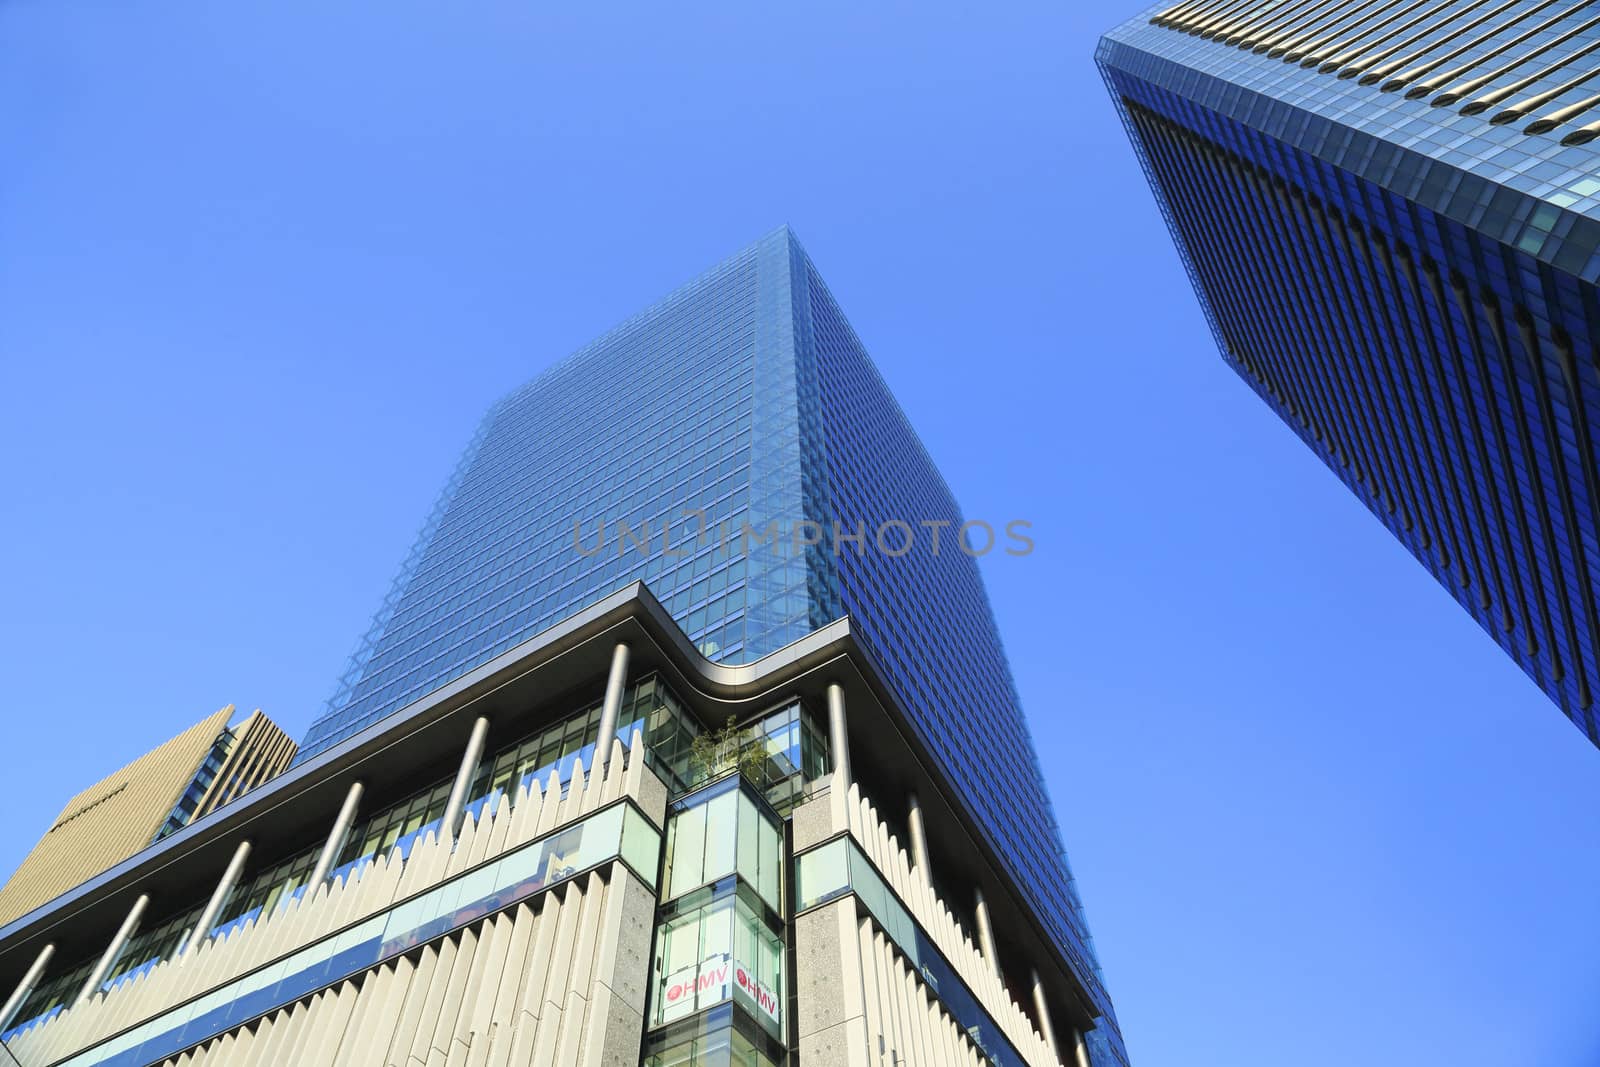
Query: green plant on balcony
x,y
727,748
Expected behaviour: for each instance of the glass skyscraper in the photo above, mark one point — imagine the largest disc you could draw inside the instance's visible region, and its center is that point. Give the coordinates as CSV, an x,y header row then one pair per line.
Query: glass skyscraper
x,y
701,447
1391,213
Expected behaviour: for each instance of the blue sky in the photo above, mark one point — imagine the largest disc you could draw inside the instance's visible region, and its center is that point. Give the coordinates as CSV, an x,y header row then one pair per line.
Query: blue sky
x,y
264,266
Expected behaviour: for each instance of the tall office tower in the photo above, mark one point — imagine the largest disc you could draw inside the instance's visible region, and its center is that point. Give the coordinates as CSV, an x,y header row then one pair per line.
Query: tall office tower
x,y
1391,213
208,765
585,794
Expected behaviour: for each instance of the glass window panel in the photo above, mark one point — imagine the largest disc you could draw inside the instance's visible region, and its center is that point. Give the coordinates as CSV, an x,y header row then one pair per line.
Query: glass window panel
x,y
749,845
821,874
770,882
722,821
641,845
687,855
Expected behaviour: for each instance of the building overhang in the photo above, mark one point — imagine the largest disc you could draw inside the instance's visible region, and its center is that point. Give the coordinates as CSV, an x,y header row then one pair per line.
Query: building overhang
x,y
545,676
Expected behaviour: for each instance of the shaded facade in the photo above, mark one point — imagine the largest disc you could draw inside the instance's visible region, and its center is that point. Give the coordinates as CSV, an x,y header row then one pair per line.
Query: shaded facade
x,y
698,448
1391,214
196,772
568,857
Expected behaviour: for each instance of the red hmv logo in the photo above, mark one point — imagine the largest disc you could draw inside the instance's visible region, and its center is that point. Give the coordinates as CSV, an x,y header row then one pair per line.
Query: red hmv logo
x,y
765,999
709,979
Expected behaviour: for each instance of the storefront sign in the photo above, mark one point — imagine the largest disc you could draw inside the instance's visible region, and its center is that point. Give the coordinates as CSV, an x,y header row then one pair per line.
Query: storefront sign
x,y
689,989
765,999
711,981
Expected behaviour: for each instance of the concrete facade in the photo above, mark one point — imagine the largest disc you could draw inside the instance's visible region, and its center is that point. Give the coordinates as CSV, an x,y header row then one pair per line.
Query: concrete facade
x,y
123,812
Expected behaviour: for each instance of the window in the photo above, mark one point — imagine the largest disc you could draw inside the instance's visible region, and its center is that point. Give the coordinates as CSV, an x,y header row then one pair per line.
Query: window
x,y
714,953
720,831
719,1046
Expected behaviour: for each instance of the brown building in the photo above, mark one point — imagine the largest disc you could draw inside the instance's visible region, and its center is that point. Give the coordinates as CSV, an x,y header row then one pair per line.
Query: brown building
x,y
162,791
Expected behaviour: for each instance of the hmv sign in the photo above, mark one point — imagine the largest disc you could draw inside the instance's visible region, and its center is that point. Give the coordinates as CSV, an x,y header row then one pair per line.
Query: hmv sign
x,y
766,1001
711,981
689,989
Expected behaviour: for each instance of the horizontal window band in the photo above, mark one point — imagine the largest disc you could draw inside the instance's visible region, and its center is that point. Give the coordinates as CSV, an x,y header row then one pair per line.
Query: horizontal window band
x,y
513,878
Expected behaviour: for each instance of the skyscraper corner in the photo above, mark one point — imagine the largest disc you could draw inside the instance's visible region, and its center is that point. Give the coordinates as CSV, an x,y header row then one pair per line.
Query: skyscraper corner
x,y
1391,215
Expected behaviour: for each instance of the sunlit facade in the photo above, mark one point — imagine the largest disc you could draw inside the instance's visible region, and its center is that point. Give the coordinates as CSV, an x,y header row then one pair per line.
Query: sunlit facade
x,y
687,448
667,862
1391,214
208,765
586,794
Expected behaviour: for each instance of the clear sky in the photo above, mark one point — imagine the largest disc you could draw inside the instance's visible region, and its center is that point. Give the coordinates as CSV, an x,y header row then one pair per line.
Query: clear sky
x,y
262,267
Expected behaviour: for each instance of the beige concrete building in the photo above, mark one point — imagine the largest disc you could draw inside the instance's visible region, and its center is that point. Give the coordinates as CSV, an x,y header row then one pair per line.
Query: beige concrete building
x,y
162,791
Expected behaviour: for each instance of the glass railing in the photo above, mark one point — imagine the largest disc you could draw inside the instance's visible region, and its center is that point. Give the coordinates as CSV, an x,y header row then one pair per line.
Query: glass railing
x,y
618,832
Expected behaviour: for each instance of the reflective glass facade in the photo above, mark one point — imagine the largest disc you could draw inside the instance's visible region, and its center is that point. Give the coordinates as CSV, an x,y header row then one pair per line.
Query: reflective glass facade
x,y
687,410
183,811
741,404
1392,218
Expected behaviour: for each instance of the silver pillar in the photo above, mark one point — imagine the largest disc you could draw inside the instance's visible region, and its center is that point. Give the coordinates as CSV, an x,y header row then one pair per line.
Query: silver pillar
x,y
113,950
1043,1011
219,897
455,807
24,987
838,736
616,681
336,837
919,837
1080,1048
980,907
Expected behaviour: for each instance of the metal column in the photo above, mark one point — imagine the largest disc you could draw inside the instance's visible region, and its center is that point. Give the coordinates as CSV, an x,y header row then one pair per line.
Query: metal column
x,y
219,897
616,681
113,950
838,735
336,837
25,987
1043,1011
980,907
456,806
919,838
1080,1048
